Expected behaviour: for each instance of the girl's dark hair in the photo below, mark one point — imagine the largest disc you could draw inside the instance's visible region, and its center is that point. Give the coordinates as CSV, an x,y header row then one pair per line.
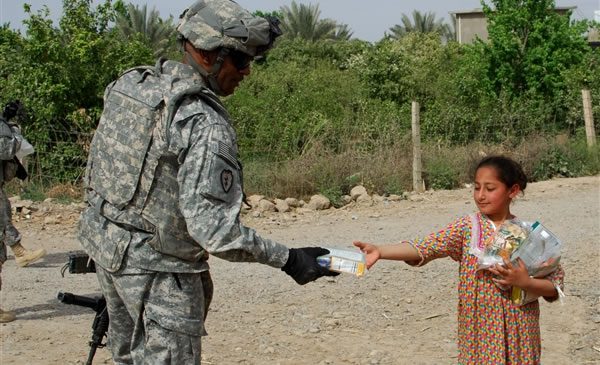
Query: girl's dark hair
x,y
509,171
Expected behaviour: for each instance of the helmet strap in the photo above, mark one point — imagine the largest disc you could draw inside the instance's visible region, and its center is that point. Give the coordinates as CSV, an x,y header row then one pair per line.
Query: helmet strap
x,y
210,76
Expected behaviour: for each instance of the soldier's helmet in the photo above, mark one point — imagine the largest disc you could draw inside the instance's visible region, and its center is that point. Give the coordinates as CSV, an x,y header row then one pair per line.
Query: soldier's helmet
x,y
212,24
13,109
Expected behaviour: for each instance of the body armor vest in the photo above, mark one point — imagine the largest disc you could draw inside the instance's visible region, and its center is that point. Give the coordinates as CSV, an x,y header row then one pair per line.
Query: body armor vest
x,y
131,175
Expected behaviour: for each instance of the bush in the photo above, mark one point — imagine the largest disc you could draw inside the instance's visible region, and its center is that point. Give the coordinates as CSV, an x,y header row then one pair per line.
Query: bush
x,y
439,174
384,169
388,169
282,112
32,191
566,158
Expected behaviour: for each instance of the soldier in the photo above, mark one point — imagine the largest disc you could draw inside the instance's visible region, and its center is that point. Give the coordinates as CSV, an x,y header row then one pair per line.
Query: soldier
x,y
164,187
10,167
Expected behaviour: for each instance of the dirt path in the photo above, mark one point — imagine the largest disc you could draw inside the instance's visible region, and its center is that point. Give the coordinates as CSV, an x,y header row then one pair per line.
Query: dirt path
x,y
393,315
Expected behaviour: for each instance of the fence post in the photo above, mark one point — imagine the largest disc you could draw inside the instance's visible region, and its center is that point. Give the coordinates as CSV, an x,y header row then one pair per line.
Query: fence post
x,y
590,132
418,183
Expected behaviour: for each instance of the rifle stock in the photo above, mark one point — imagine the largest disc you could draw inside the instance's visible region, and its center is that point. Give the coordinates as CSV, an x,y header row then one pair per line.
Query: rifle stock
x,y
100,325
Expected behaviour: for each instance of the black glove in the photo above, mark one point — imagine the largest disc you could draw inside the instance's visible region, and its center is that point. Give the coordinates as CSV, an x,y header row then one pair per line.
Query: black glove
x,y
302,264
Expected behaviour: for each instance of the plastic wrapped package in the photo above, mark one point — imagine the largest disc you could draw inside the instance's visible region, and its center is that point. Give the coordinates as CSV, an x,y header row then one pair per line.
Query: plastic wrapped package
x,y
508,237
534,244
541,255
343,260
25,150
540,252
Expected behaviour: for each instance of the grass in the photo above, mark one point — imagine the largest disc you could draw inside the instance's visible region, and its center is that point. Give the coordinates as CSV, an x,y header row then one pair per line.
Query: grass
x,y
384,170
65,193
388,169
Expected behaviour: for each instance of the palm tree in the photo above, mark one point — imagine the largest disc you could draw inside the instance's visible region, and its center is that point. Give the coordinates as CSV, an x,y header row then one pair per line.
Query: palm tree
x,y
421,23
342,32
449,30
157,33
302,21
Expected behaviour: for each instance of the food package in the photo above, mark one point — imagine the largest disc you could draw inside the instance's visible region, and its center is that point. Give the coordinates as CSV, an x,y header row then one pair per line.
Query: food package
x,y
344,260
508,237
534,244
540,253
26,149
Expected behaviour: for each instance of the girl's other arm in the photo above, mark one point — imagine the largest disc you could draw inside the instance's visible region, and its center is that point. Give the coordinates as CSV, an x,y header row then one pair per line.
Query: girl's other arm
x,y
516,275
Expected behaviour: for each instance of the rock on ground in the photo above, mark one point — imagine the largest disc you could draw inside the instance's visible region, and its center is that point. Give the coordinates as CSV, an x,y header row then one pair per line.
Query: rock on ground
x,y
395,314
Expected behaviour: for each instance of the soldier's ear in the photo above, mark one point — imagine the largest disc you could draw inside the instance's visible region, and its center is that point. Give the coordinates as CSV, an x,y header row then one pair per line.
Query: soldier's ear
x,y
202,57
206,57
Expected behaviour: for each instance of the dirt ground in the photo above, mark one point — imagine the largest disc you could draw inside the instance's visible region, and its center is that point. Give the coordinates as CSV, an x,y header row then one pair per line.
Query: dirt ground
x,y
395,314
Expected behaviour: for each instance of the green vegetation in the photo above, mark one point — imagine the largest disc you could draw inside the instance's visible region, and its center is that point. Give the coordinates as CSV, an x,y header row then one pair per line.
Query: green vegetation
x,y
324,112
388,170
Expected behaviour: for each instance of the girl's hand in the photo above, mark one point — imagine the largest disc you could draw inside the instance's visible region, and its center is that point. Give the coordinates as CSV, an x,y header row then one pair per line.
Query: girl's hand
x,y
513,275
551,261
371,251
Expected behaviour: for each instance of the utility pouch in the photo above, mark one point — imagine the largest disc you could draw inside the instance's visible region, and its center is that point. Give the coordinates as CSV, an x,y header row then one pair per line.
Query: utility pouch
x,y
80,263
103,240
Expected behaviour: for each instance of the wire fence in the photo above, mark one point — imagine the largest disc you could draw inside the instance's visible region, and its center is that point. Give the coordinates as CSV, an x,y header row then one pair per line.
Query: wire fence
x,y
61,158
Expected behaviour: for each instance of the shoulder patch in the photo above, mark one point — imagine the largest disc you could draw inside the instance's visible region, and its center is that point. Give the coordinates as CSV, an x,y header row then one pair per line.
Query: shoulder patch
x,y
226,180
226,152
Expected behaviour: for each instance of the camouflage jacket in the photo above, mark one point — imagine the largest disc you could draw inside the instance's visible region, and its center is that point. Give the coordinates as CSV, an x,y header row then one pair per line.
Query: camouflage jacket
x,y
166,190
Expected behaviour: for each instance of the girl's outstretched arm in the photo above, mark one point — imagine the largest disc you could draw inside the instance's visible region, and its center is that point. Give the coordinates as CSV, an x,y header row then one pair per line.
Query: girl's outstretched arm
x,y
402,251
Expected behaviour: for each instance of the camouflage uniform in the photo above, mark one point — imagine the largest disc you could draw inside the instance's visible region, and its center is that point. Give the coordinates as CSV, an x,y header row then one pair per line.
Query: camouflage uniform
x,y
10,142
164,187
151,237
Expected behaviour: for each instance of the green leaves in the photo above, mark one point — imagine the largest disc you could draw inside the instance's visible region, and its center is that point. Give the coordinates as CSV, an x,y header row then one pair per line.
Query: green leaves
x,y
136,23
530,46
59,70
405,69
309,95
317,94
422,23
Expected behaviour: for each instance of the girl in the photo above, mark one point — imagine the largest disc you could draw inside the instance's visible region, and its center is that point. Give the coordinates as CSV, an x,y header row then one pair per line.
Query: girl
x,y
491,329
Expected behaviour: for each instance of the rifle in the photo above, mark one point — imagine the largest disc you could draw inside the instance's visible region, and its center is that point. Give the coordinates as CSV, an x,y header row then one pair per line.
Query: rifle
x,y
81,263
100,325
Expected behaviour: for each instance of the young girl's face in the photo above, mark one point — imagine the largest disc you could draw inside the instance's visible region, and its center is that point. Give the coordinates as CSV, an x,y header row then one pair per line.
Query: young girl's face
x,y
491,195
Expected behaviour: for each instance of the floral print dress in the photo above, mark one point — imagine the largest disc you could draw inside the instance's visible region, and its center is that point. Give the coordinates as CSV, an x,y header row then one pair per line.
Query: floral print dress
x,y
491,329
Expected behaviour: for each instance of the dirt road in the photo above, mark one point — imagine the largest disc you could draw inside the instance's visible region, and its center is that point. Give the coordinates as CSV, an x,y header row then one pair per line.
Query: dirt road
x,y
395,314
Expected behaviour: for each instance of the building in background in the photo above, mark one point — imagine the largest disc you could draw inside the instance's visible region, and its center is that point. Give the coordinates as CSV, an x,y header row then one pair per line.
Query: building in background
x,y
594,33
472,24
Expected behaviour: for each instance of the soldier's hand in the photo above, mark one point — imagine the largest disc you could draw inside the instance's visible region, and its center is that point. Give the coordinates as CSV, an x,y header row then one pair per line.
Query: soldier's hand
x,y
302,264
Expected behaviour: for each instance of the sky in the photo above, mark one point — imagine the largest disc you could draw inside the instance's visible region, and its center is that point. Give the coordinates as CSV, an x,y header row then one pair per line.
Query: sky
x,y
368,20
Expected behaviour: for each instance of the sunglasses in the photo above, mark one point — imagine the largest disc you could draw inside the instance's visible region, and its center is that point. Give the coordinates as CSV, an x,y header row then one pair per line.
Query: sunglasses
x,y
240,60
